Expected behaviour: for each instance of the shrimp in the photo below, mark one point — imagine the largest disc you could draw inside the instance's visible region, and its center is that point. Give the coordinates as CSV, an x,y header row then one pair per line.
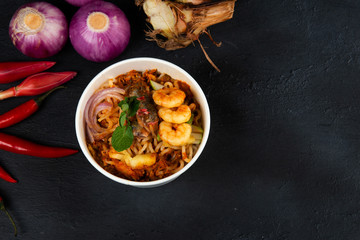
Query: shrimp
x,y
175,134
180,115
169,97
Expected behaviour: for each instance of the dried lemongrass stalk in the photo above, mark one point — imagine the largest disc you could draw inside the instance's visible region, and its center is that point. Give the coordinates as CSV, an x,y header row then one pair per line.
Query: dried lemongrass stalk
x,y
176,25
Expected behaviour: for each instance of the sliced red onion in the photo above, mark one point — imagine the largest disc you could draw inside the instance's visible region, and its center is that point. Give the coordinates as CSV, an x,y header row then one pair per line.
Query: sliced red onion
x,y
38,29
94,105
99,31
103,106
79,3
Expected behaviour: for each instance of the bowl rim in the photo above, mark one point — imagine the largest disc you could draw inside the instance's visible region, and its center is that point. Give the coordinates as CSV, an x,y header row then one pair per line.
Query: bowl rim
x,y
81,104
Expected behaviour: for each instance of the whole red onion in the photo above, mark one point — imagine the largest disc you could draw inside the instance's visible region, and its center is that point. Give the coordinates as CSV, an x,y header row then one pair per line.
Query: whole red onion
x,y
79,3
99,31
38,29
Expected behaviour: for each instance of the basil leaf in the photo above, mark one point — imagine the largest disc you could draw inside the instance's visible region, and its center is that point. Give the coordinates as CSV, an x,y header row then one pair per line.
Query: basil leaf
x,y
122,138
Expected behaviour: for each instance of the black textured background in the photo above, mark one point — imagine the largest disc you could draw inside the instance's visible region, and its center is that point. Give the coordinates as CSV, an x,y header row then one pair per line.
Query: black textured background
x,y
282,160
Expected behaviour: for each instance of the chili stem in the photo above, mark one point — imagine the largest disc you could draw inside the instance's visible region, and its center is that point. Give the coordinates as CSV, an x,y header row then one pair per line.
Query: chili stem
x,y
2,207
42,97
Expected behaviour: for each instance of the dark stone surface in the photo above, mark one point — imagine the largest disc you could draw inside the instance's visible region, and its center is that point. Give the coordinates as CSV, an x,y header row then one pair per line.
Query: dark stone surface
x,y
282,160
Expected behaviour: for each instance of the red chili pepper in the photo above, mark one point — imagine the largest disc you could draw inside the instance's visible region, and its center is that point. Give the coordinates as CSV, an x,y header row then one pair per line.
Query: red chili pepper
x,y
12,71
141,98
6,176
21,146
2,208
143,111
38,84
22,111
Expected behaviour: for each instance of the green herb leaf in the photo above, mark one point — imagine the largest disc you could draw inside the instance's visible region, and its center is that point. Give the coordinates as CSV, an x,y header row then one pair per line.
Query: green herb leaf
x,y
122,119
133,106
124,107
123,101
122,138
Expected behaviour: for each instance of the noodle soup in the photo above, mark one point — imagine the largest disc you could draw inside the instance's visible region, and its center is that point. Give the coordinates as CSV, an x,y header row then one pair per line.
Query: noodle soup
x,y
143,125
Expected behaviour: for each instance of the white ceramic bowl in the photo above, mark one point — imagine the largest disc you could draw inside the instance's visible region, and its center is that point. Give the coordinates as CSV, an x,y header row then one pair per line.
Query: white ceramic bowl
x,y
140,64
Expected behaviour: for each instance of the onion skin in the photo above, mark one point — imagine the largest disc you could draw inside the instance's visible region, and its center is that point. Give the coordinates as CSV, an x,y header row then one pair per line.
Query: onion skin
x,y
45,41
105,44
79,3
